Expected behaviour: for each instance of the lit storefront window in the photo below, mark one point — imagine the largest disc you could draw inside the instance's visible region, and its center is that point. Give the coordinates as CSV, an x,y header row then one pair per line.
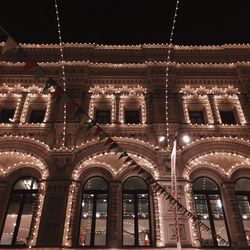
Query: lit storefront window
x,y
209,210
93,223
243,198
20,212
136,226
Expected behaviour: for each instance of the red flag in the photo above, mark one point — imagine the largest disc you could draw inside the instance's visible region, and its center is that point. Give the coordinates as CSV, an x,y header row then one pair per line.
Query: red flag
x,y
58,91
108,141
97,131
29,64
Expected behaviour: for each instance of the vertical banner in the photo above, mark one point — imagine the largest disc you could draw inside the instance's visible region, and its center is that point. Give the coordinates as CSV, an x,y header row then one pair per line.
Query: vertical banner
x,y
174,194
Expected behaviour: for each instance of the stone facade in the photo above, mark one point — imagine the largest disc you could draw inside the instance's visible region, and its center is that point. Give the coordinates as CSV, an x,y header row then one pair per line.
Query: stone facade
x,y
208,97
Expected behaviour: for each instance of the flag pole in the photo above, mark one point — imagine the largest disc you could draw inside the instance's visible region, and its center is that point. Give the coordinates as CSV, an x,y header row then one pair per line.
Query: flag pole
x,y
174,192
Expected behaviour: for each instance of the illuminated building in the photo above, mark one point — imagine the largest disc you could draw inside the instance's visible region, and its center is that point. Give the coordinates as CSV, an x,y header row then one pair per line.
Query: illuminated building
x,y
61,187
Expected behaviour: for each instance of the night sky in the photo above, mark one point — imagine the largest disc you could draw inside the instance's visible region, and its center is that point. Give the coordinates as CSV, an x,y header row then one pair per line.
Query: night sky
x,y
199,22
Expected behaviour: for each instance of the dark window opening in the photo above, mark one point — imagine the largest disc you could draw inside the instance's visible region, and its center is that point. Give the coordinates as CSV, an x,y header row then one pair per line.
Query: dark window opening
x,y
196,117
103,116
227,117
6,115
132,116
37,116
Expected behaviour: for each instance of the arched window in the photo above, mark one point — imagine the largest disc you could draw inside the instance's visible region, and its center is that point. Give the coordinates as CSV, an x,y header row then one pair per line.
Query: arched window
x,y
20,212
243,197
93,222
136,214
210,211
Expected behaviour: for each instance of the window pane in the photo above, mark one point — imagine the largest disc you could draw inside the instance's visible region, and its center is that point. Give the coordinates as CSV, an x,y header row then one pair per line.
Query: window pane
x,y
101,220
26,183
37,116
103,116
11,218
132,116
244,207
203,216
196,117
143,220
135,183
227,117
218,216
243,185
6,115
205,184
86,220
128,220
26,217
96,183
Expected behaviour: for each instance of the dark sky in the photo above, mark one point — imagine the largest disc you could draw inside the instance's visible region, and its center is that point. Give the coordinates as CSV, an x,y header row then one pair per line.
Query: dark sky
x,y
199,22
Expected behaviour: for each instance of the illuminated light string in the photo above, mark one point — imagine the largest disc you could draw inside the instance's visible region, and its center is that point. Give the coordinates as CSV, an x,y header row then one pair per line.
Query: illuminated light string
x,y
24,158
201,160
37,214
63,74
221,97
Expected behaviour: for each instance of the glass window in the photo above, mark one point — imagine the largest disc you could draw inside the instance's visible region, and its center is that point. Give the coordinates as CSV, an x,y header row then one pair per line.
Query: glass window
x,y
209,211
227,117
136,222
6,115
37,116
243,198
196,117
103,116
20,212
93,221
132,116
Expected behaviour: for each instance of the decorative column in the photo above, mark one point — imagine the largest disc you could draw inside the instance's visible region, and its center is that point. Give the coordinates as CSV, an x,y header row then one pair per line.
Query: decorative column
x,y
117,108
5,189
53,214
114,233
235,225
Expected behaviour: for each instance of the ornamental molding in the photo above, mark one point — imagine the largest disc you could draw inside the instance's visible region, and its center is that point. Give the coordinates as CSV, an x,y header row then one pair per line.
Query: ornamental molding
x,y
134,146
215,144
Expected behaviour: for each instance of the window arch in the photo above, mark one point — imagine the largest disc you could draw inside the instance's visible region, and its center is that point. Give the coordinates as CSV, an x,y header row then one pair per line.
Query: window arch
x,y
20,212
209,210
93,219
243,198
136,214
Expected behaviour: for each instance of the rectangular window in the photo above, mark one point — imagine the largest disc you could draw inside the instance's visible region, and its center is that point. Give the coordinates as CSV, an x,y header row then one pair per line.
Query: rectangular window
x,y
227,117
103,116
132,116
37,116
196,117
6,115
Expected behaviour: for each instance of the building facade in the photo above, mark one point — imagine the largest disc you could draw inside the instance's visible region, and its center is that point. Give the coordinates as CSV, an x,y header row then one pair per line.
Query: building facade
x,y
62,186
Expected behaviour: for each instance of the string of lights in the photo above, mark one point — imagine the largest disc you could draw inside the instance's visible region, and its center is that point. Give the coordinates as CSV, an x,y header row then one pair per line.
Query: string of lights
x,y
167,72
63,74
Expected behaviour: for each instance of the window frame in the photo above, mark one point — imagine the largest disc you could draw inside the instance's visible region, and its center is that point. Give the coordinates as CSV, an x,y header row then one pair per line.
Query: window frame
x,y
136,233
247,194
207,193
24,193
93,219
